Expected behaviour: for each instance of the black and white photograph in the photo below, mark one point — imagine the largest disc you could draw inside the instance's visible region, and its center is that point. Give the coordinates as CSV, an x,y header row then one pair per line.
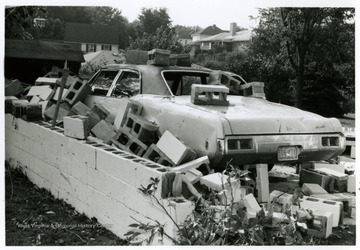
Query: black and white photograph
x,y
178,123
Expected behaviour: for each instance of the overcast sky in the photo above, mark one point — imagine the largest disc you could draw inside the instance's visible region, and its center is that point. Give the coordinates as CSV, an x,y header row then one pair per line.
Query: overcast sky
x,y
194,12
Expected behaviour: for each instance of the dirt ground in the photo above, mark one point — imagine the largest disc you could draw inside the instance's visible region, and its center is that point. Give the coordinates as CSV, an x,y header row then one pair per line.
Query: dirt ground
x,y
35,218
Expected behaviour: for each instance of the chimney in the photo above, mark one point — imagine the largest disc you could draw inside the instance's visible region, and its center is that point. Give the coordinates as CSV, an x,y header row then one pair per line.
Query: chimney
x,y
232,29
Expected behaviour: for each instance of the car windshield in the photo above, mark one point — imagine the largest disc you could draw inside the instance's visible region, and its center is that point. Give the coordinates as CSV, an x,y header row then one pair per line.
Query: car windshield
x,y
180,82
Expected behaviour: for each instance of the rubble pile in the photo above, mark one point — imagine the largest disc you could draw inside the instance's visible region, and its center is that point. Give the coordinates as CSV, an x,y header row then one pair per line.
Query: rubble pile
x,y
318,208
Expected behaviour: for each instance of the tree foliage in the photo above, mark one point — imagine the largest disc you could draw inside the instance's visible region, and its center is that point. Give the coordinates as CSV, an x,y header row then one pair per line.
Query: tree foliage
x,y
19,19
154,30
315,46
152,19
305,56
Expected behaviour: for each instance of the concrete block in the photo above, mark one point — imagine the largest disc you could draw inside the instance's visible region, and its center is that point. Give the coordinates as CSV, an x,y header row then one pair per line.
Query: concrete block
x,y
346,200
77,92
183,168
35,99
44,105
104,131
334,207
13,88
129,106
122,138
334,167
45,81
220,183
31,112
57,94
44,92
193,175
126,167
252,89
159,57
143,129
177,151
17,107
311,188
340,179
351,184
353,152
136,56
136,147
76,126
79,108
310,176
50,113
217,77
9,104
154,154
205,94
251,204
94,119
181,209
217,181
231,195
262,182
321,225
100,110
282,200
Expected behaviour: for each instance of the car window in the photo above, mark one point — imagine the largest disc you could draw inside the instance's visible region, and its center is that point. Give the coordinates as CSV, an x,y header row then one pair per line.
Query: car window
x,y
180,81
101,84
127,85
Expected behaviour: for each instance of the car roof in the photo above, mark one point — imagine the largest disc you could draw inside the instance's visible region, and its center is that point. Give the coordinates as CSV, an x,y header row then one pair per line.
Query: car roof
x,y
149,67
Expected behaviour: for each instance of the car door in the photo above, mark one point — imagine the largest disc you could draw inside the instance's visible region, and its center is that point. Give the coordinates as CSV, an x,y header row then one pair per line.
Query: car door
x,y
110,88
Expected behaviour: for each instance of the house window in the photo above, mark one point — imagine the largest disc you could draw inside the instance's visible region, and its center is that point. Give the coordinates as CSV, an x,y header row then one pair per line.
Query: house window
x,y
90,47
106,47
39,22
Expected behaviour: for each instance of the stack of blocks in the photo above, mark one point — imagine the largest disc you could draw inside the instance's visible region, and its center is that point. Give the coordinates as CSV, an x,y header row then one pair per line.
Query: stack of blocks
x,y
204,94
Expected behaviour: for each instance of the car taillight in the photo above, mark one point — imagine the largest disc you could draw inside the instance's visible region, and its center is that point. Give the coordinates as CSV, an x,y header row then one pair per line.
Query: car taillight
x,y
329,141
236,144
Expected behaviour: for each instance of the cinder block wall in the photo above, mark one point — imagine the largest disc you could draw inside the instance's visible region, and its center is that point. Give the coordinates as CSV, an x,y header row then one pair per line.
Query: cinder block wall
x,y
98,180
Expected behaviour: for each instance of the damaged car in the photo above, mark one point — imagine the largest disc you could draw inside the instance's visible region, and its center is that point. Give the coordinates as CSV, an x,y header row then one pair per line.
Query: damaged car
x,y
243,129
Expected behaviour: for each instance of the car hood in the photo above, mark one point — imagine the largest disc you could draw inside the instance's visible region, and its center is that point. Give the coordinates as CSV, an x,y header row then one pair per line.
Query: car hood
x,y
249,115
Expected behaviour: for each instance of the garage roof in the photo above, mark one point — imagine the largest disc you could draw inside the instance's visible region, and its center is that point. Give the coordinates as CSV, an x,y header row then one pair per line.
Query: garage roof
x,y
47,50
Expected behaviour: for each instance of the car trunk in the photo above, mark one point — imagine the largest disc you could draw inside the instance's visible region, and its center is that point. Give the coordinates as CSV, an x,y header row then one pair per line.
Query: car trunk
x,y
248,115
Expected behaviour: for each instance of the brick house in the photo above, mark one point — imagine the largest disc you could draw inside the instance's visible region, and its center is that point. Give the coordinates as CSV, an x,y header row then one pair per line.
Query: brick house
x,y
93,37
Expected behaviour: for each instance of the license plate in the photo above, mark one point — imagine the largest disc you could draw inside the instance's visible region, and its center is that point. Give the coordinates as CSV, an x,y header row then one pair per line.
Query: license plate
x,y
287,153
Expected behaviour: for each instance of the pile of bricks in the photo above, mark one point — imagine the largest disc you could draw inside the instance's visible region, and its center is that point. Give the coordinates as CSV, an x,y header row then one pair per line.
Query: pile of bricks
x,y
39,102
331,177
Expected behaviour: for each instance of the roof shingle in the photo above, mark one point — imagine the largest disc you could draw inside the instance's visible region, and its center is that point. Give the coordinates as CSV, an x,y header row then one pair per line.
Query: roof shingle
x,y
91,33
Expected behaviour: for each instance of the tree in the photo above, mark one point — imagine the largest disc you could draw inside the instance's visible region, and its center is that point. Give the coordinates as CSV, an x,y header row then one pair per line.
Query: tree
x,y
19,19
312,44
152,19
164,38
154,30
